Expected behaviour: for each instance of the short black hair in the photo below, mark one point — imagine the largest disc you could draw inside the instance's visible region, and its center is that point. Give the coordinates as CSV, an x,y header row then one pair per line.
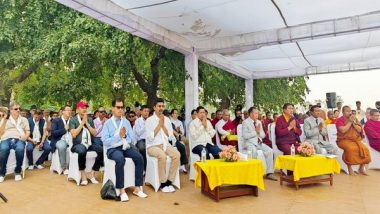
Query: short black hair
x,y
268,113
237,109
286,105
158,100
314,107
117,100
192,111
172,111
336,110
199,108
218,111
358,102
251,109
144,107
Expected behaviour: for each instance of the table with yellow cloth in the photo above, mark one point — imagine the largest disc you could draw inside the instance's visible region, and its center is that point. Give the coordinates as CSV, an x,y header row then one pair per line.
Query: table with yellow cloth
x,y
306,167
217,173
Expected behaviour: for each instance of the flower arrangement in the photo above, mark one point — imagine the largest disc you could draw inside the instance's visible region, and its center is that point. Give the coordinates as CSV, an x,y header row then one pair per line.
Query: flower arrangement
x,y
229,154
306,149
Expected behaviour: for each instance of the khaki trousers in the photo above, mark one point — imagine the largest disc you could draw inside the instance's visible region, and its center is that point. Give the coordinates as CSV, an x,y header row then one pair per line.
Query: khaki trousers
x,y
160,154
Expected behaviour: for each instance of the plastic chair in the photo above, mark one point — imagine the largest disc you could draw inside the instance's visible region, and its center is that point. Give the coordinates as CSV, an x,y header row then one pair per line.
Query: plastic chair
x,y
276,151
151,174
11,164
375,156
74,172
109,171
56,164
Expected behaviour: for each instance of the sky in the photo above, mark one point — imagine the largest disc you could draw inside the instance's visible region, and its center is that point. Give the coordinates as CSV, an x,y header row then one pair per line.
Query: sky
x,y
351,86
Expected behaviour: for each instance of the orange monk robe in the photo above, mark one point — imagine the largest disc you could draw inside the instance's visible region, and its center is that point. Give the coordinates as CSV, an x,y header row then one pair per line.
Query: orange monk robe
x,y
355,152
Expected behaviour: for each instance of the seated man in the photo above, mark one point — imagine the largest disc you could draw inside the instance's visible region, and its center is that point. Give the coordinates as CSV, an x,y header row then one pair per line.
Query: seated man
x,y
316,132
288,130
37,138
159,131
225,127
83,131
372,129
181,140
117,137
14,131
61,137
253,133
349,139
330,118
140,133
201,133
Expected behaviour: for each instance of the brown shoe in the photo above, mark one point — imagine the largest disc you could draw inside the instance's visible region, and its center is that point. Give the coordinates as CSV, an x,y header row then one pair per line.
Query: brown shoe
x,y
270,177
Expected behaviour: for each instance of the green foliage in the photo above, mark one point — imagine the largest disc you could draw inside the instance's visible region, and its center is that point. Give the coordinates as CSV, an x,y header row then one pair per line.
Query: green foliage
x,y
51,55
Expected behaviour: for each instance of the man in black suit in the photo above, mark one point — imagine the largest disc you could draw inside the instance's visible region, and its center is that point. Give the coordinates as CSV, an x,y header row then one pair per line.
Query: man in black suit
x,y
60,137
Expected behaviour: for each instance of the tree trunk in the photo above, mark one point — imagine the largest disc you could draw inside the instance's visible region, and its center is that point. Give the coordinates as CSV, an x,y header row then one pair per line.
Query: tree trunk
x,y
225,103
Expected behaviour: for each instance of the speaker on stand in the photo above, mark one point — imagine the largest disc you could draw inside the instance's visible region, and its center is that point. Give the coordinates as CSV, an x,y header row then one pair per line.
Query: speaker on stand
x,y
331,100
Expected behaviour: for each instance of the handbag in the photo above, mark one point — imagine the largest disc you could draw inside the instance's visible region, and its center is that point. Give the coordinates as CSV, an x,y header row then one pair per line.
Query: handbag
x,y
108,191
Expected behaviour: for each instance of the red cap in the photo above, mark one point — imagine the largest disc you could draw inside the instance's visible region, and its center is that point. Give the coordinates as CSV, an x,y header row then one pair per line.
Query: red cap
x,y
82,104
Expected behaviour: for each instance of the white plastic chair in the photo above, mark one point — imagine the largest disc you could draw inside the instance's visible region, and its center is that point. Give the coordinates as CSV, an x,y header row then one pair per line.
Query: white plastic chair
x,y
74,172
109,171
260,153
217,139
276,151
151,175
11,164
375,156
56,164
303,136
332,135
193,158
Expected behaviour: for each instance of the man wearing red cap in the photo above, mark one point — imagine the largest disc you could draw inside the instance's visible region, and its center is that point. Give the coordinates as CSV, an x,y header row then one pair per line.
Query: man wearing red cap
x,y
83,132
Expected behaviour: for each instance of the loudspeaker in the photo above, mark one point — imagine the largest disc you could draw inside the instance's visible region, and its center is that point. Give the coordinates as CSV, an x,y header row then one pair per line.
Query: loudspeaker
x,y
331,100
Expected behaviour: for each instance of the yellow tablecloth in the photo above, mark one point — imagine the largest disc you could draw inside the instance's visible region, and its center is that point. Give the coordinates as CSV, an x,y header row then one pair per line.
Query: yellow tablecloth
x,y
219,172
304,167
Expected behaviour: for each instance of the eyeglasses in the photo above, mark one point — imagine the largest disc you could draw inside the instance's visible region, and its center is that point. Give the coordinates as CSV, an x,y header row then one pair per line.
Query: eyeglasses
x,y
16,109
101,111
119,107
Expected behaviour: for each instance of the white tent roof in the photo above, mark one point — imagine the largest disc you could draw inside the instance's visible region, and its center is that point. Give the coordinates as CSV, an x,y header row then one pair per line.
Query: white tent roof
x,y
254,38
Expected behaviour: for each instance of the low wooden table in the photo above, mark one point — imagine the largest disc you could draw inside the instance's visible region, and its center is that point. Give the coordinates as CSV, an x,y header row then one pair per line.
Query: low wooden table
x,y
307,170
219,179
227,191
304,181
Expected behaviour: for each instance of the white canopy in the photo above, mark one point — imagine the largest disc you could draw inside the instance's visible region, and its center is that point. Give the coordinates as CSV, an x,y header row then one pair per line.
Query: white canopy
x,y
254,38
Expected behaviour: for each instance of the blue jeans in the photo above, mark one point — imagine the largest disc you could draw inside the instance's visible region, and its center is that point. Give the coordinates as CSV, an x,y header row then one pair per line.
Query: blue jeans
x,y
29,153
5,147
118,155
210,148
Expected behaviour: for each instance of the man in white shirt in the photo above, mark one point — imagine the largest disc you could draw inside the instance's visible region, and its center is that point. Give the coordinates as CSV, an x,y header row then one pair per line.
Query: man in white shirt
x,y
253,133
201,133
159,131
14,131
37,138
360,113
140,133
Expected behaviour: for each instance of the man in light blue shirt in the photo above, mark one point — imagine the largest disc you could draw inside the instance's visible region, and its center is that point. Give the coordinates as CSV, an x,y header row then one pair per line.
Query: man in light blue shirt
x,y
117,137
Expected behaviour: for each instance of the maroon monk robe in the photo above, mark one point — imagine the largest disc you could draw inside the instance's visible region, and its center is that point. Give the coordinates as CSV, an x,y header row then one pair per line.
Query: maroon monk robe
x,y
229,126
284,137
266,140
372,131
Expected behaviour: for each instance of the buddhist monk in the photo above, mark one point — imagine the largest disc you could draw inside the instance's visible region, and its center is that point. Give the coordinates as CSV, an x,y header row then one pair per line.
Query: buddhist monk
x,y
372,129
288,130
349,138
225,127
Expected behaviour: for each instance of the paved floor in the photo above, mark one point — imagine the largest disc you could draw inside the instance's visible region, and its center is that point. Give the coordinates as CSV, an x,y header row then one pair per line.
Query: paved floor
x,y
45,192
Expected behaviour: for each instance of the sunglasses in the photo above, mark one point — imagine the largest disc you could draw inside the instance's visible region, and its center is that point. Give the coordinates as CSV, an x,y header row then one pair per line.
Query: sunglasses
x,y
16,109
119,107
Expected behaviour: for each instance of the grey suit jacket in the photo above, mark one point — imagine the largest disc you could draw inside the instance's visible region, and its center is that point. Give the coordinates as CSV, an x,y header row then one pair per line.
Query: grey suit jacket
x,y
312,133
250,136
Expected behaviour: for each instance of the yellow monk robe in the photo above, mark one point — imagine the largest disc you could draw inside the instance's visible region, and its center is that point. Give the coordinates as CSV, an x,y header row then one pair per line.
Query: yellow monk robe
x,y
355,152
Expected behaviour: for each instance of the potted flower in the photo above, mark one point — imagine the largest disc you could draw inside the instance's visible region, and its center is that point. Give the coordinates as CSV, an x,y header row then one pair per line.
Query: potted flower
x,y
306,149
229,154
